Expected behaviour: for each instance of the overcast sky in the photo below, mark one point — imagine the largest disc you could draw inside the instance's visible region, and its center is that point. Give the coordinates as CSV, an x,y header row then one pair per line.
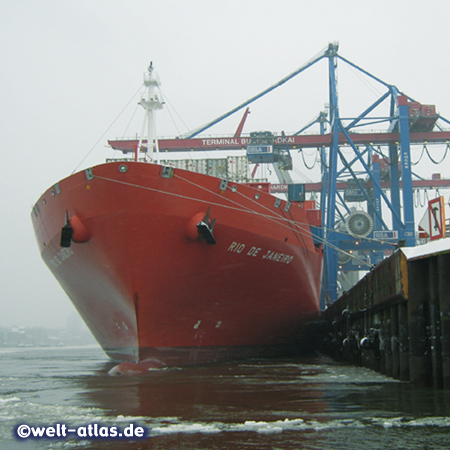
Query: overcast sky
x,y
68,68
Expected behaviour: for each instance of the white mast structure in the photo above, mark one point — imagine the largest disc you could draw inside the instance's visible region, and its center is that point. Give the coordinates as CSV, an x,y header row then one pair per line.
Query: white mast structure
x,y
150,104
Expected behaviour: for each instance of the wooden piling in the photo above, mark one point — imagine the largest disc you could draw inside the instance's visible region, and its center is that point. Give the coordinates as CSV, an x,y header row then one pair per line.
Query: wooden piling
x,y
419,360
396,320
434,328
444,306
403,341
386,329
395,361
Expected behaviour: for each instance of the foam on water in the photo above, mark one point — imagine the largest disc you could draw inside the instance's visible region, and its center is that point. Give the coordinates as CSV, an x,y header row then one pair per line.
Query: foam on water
x,y
14,410
255,404
280,426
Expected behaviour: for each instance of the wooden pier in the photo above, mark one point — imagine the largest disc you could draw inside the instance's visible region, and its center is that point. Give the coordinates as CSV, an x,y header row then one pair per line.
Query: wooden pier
x,y
396,320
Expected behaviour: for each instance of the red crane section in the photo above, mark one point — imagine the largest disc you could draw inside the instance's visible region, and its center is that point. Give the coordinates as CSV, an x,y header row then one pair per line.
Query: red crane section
x,y
293,142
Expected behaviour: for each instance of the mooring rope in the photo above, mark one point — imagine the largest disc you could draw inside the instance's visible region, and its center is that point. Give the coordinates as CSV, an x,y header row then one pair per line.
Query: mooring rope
x,y
303,229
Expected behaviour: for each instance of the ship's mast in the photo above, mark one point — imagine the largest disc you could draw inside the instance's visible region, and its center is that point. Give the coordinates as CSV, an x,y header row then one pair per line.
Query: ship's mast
x,y
150,104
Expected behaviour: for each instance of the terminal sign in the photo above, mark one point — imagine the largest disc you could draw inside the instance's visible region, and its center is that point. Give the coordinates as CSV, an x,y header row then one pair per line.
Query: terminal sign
x,y
384,235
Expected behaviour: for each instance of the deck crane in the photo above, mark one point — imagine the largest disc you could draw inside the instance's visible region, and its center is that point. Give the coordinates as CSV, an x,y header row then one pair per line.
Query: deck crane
x,y
378,161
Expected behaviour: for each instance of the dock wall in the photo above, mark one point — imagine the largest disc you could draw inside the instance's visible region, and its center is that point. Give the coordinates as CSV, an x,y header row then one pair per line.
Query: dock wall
x,y
396,320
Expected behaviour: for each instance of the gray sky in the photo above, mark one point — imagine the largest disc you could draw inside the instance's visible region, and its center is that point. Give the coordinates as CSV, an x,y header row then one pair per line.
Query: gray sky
x,y
69,67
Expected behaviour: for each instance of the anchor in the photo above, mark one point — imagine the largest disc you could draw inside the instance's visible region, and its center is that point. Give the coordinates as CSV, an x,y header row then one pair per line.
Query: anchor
x,y
205,229
66,233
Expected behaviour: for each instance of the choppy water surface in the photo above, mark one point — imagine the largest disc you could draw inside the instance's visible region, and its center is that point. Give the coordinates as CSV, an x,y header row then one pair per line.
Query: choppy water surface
x,y
292,403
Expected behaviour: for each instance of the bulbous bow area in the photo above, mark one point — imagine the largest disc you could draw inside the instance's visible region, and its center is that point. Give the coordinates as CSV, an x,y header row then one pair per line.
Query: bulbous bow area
x,y
191,228
80,232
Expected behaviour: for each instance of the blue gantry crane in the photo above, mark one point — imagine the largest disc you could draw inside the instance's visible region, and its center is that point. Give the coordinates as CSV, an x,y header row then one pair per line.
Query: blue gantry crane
x,y
372,170
367,233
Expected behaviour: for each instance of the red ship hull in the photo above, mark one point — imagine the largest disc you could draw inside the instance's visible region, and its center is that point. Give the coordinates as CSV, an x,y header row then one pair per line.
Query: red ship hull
x,y
149,289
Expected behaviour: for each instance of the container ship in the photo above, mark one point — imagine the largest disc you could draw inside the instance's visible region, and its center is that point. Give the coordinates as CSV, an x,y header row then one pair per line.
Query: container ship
x,y
170,267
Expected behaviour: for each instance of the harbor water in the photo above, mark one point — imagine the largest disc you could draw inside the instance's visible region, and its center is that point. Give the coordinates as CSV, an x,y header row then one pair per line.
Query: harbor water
x,y
296,403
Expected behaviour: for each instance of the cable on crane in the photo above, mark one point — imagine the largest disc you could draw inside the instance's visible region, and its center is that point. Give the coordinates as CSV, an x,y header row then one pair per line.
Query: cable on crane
x,y
431,159
322,161
304,161
420,157
418,202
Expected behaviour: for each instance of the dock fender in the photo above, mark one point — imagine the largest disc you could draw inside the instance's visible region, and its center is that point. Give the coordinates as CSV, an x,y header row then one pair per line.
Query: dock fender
x,y
346,313
80,232
366,343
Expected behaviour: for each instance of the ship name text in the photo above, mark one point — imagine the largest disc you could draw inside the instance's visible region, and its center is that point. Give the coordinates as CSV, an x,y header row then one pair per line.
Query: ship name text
x,y
61,256
258,252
